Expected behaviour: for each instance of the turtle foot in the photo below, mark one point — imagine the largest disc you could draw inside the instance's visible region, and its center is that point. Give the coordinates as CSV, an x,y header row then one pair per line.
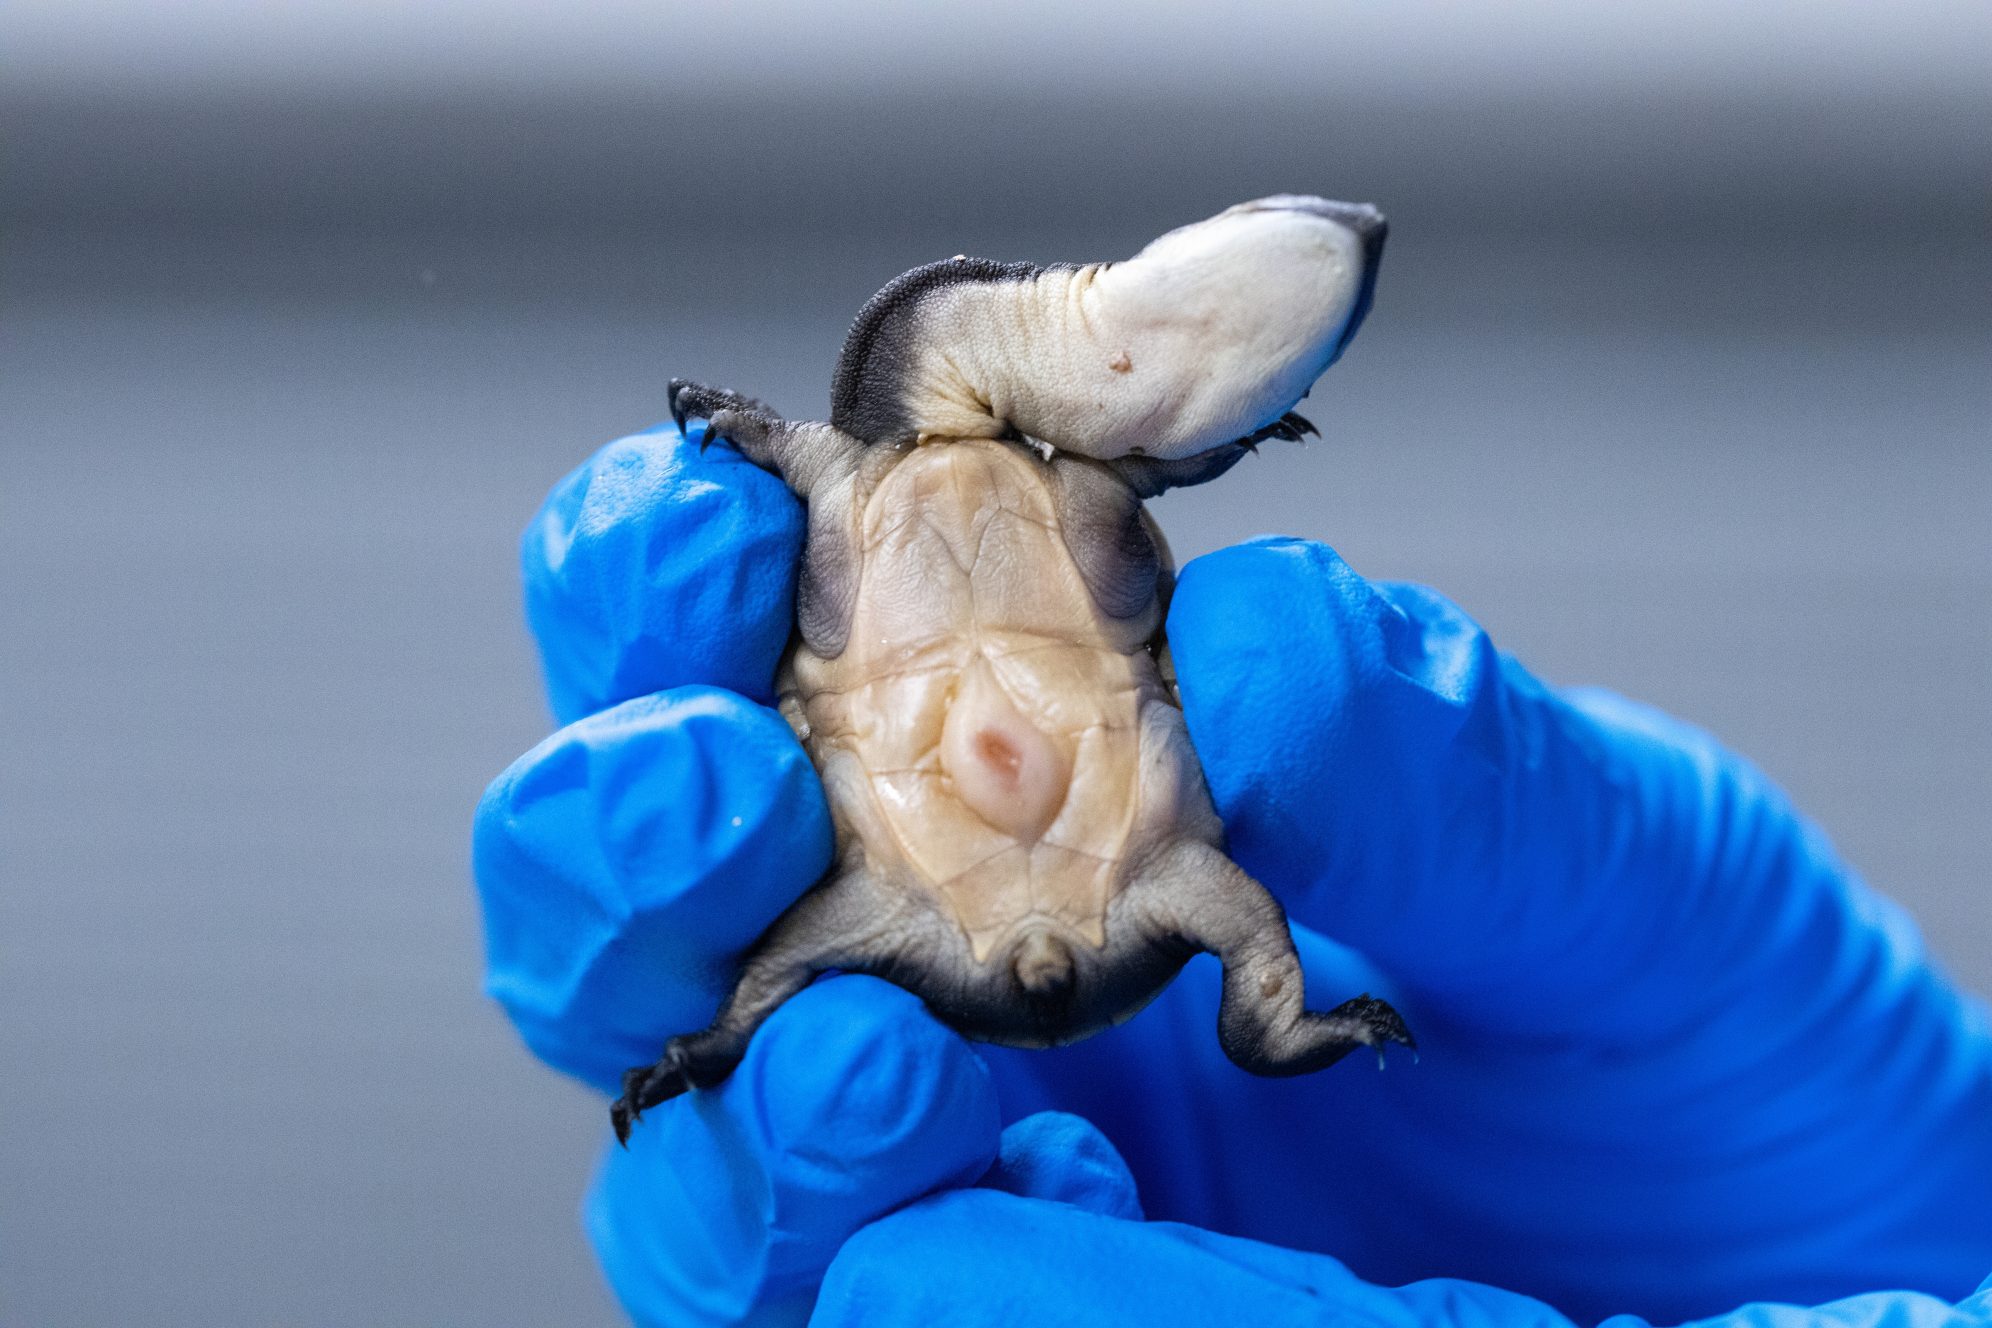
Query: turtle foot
x,y
722,410
647,1086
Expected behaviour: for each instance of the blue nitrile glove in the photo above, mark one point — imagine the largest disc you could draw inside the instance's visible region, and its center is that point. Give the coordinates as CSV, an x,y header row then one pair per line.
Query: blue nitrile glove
x,y
979,1258
1674,1056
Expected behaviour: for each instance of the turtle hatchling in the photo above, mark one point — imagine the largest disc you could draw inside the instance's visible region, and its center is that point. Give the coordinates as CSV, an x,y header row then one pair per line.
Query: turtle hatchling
x,y
978,670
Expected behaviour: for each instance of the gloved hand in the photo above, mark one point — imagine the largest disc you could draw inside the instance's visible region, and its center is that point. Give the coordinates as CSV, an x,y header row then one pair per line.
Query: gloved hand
x,y
1674,1056
977,1258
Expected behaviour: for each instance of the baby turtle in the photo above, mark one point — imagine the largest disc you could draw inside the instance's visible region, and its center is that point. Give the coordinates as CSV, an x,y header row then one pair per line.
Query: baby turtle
x,y
1024,839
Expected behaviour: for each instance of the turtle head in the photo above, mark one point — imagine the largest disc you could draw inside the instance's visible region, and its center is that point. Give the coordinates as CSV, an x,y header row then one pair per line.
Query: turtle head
x,y
1209,333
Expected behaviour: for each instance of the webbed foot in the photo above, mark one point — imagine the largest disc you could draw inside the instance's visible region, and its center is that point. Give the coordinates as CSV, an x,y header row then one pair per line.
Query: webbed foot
x,y
805,455
1151,477
1290,427
1373,1023
722,410
647,1086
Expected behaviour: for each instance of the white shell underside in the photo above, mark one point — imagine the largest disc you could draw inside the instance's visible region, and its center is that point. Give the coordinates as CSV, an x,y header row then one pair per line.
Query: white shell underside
x,y
987,736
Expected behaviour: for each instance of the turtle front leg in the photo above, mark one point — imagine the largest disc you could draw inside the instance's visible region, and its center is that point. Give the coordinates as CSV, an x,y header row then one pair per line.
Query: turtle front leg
x,y
806,455
1195,892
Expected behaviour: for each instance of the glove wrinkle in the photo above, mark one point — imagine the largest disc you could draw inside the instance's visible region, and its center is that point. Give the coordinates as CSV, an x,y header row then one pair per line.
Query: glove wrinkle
x,y
653,566
1063,1158
614,896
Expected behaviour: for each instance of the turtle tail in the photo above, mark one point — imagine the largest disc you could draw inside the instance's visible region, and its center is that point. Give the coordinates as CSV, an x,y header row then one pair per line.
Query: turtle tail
x,y
1044,969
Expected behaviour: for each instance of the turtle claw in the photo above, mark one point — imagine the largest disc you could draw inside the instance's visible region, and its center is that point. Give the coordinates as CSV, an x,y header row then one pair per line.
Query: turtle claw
x,y
753,420
1380,1024
700,401
647,1086
672,394
1290,428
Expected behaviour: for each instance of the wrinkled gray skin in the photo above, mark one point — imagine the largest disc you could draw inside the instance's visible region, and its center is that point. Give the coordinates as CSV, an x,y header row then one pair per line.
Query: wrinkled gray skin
x,y
978,672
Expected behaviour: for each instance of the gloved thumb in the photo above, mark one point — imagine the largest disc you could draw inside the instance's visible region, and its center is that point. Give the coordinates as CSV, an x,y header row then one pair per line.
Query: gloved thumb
x,y
1064,1158
1521,857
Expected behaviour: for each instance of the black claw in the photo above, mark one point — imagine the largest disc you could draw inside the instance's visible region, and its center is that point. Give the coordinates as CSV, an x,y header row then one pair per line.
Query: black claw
x,y
1288,428
1390,1026
697,401
627,1110
646,1086
1384,1024
692,401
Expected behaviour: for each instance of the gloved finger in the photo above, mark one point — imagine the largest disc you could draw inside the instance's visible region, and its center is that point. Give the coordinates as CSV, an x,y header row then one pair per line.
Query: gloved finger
x,y
1056,1156
1537,863
624,864
729,1203
656,564
1657,1015
975,1257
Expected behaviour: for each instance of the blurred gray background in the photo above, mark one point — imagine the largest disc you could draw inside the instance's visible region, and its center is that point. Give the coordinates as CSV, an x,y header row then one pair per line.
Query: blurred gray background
x,y
1679,378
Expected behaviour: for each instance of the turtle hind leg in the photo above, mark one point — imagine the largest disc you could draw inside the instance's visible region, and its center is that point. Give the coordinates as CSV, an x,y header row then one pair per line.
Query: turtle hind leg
x,y
845,922
1195,892
705,1058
